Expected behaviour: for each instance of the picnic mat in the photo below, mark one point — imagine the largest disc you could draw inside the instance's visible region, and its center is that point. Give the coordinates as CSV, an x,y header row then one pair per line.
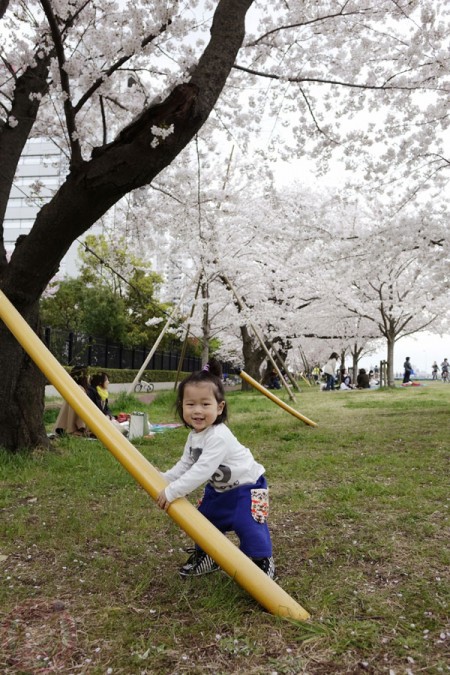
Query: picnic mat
x,y
160,428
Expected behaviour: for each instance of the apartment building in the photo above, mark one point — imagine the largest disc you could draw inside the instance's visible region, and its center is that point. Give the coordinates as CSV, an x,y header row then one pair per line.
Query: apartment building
x,y
40,172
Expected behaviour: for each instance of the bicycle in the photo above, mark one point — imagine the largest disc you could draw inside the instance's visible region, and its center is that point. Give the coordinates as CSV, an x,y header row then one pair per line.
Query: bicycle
x,y
143,386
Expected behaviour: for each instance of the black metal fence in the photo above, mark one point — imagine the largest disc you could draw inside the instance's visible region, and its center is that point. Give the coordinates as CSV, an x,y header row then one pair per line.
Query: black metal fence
x,y
77,349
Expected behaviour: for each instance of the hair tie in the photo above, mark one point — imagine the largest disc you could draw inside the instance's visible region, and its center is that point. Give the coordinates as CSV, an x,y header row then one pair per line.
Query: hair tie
x,y
206,368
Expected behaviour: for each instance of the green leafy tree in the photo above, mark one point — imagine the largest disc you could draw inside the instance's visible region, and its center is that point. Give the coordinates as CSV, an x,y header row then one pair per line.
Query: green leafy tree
x,y
93,310
114,297
61,306
105,316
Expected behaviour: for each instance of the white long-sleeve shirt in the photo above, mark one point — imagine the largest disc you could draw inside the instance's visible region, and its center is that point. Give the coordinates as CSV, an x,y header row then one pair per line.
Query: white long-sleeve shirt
x,y
330,367
214,455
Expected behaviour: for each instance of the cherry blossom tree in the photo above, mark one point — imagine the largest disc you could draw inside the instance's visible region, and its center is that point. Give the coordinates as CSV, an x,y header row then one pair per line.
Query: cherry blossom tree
x,y
90,65
400,285
214,227
123,87
297,260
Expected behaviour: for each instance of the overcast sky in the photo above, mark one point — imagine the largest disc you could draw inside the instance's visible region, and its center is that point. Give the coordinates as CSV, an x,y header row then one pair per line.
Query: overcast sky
x,y
422,349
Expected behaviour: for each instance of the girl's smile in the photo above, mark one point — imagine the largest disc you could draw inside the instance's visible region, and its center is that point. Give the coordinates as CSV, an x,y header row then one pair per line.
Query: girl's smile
x,y
200,407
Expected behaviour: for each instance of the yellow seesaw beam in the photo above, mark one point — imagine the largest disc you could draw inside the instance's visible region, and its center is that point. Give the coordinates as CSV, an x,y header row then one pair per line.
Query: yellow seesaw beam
x,y
196,526
274,398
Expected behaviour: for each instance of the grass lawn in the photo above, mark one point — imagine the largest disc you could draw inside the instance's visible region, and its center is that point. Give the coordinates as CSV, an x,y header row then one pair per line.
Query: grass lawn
x,y
359,519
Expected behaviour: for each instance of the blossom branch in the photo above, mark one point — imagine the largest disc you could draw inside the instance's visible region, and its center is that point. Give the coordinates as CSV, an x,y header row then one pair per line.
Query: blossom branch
x,y
113,68
65,83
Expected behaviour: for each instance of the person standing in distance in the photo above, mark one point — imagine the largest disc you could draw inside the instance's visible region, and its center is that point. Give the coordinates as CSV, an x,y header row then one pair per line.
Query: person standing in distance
x,y
330,371
408,369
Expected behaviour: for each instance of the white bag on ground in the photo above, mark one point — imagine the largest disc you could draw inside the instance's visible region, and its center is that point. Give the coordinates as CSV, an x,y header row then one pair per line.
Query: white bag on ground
x,y
138,425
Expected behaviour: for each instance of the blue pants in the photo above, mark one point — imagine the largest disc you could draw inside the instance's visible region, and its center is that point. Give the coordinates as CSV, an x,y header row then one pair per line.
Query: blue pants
x,y
242,510
330,382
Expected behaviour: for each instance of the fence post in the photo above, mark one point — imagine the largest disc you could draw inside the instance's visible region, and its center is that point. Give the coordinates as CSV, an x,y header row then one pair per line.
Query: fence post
x,y
71,346
89,359
70,349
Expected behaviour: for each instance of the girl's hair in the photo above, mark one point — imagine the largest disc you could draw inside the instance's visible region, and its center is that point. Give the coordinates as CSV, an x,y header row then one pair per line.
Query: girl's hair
x,y
334,356
98,380
81,376
211,373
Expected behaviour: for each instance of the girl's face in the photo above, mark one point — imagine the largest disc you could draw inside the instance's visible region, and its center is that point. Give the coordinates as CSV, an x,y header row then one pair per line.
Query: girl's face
x,y
200,408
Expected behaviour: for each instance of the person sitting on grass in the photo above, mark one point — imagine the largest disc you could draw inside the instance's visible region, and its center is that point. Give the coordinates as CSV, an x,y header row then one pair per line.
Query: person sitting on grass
x,y
68,421
98,393
346,381
373,382
236,496
362,381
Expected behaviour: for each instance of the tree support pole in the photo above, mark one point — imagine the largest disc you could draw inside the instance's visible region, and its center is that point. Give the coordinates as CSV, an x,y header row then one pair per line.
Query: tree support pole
x,y
196,526
275,399
242,305
304,378
160,337
305,364
286,369
188,325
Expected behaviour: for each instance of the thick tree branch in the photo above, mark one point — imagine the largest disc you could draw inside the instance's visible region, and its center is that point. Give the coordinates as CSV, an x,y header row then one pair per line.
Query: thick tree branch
x,y
340,83
65,83
31,86
113,68
129,162
302,24
3,7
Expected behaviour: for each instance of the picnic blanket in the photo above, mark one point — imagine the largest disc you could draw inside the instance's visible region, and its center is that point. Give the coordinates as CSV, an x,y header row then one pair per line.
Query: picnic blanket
x,y
160,428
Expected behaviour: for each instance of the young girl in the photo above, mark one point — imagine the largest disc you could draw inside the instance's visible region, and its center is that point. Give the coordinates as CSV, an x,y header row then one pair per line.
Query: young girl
x,y
236,496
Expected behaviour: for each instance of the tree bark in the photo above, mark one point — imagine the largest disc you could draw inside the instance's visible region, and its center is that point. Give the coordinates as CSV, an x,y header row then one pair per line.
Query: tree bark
x,y
30,87
21,394
3,7
206,327
90,189
390,360
253,357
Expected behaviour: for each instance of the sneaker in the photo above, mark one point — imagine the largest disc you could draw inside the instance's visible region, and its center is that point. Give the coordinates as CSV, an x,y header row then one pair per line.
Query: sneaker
x,y
267,565
198,563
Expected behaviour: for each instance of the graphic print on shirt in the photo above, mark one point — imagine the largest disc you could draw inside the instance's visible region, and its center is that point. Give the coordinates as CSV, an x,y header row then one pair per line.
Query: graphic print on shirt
x,y
195,453
221,478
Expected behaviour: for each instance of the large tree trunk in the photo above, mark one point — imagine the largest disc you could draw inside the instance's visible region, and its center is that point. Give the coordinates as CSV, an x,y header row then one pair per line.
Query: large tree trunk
x,y
21,394
356,353
90,189
253,357
390,361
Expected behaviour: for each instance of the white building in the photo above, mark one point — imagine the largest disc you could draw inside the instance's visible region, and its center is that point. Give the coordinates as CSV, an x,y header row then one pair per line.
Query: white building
x,y
40,173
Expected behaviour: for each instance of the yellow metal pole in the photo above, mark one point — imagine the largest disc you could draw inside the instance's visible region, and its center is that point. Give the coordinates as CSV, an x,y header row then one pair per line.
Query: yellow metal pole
x,y
274,398
196,526
304,378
